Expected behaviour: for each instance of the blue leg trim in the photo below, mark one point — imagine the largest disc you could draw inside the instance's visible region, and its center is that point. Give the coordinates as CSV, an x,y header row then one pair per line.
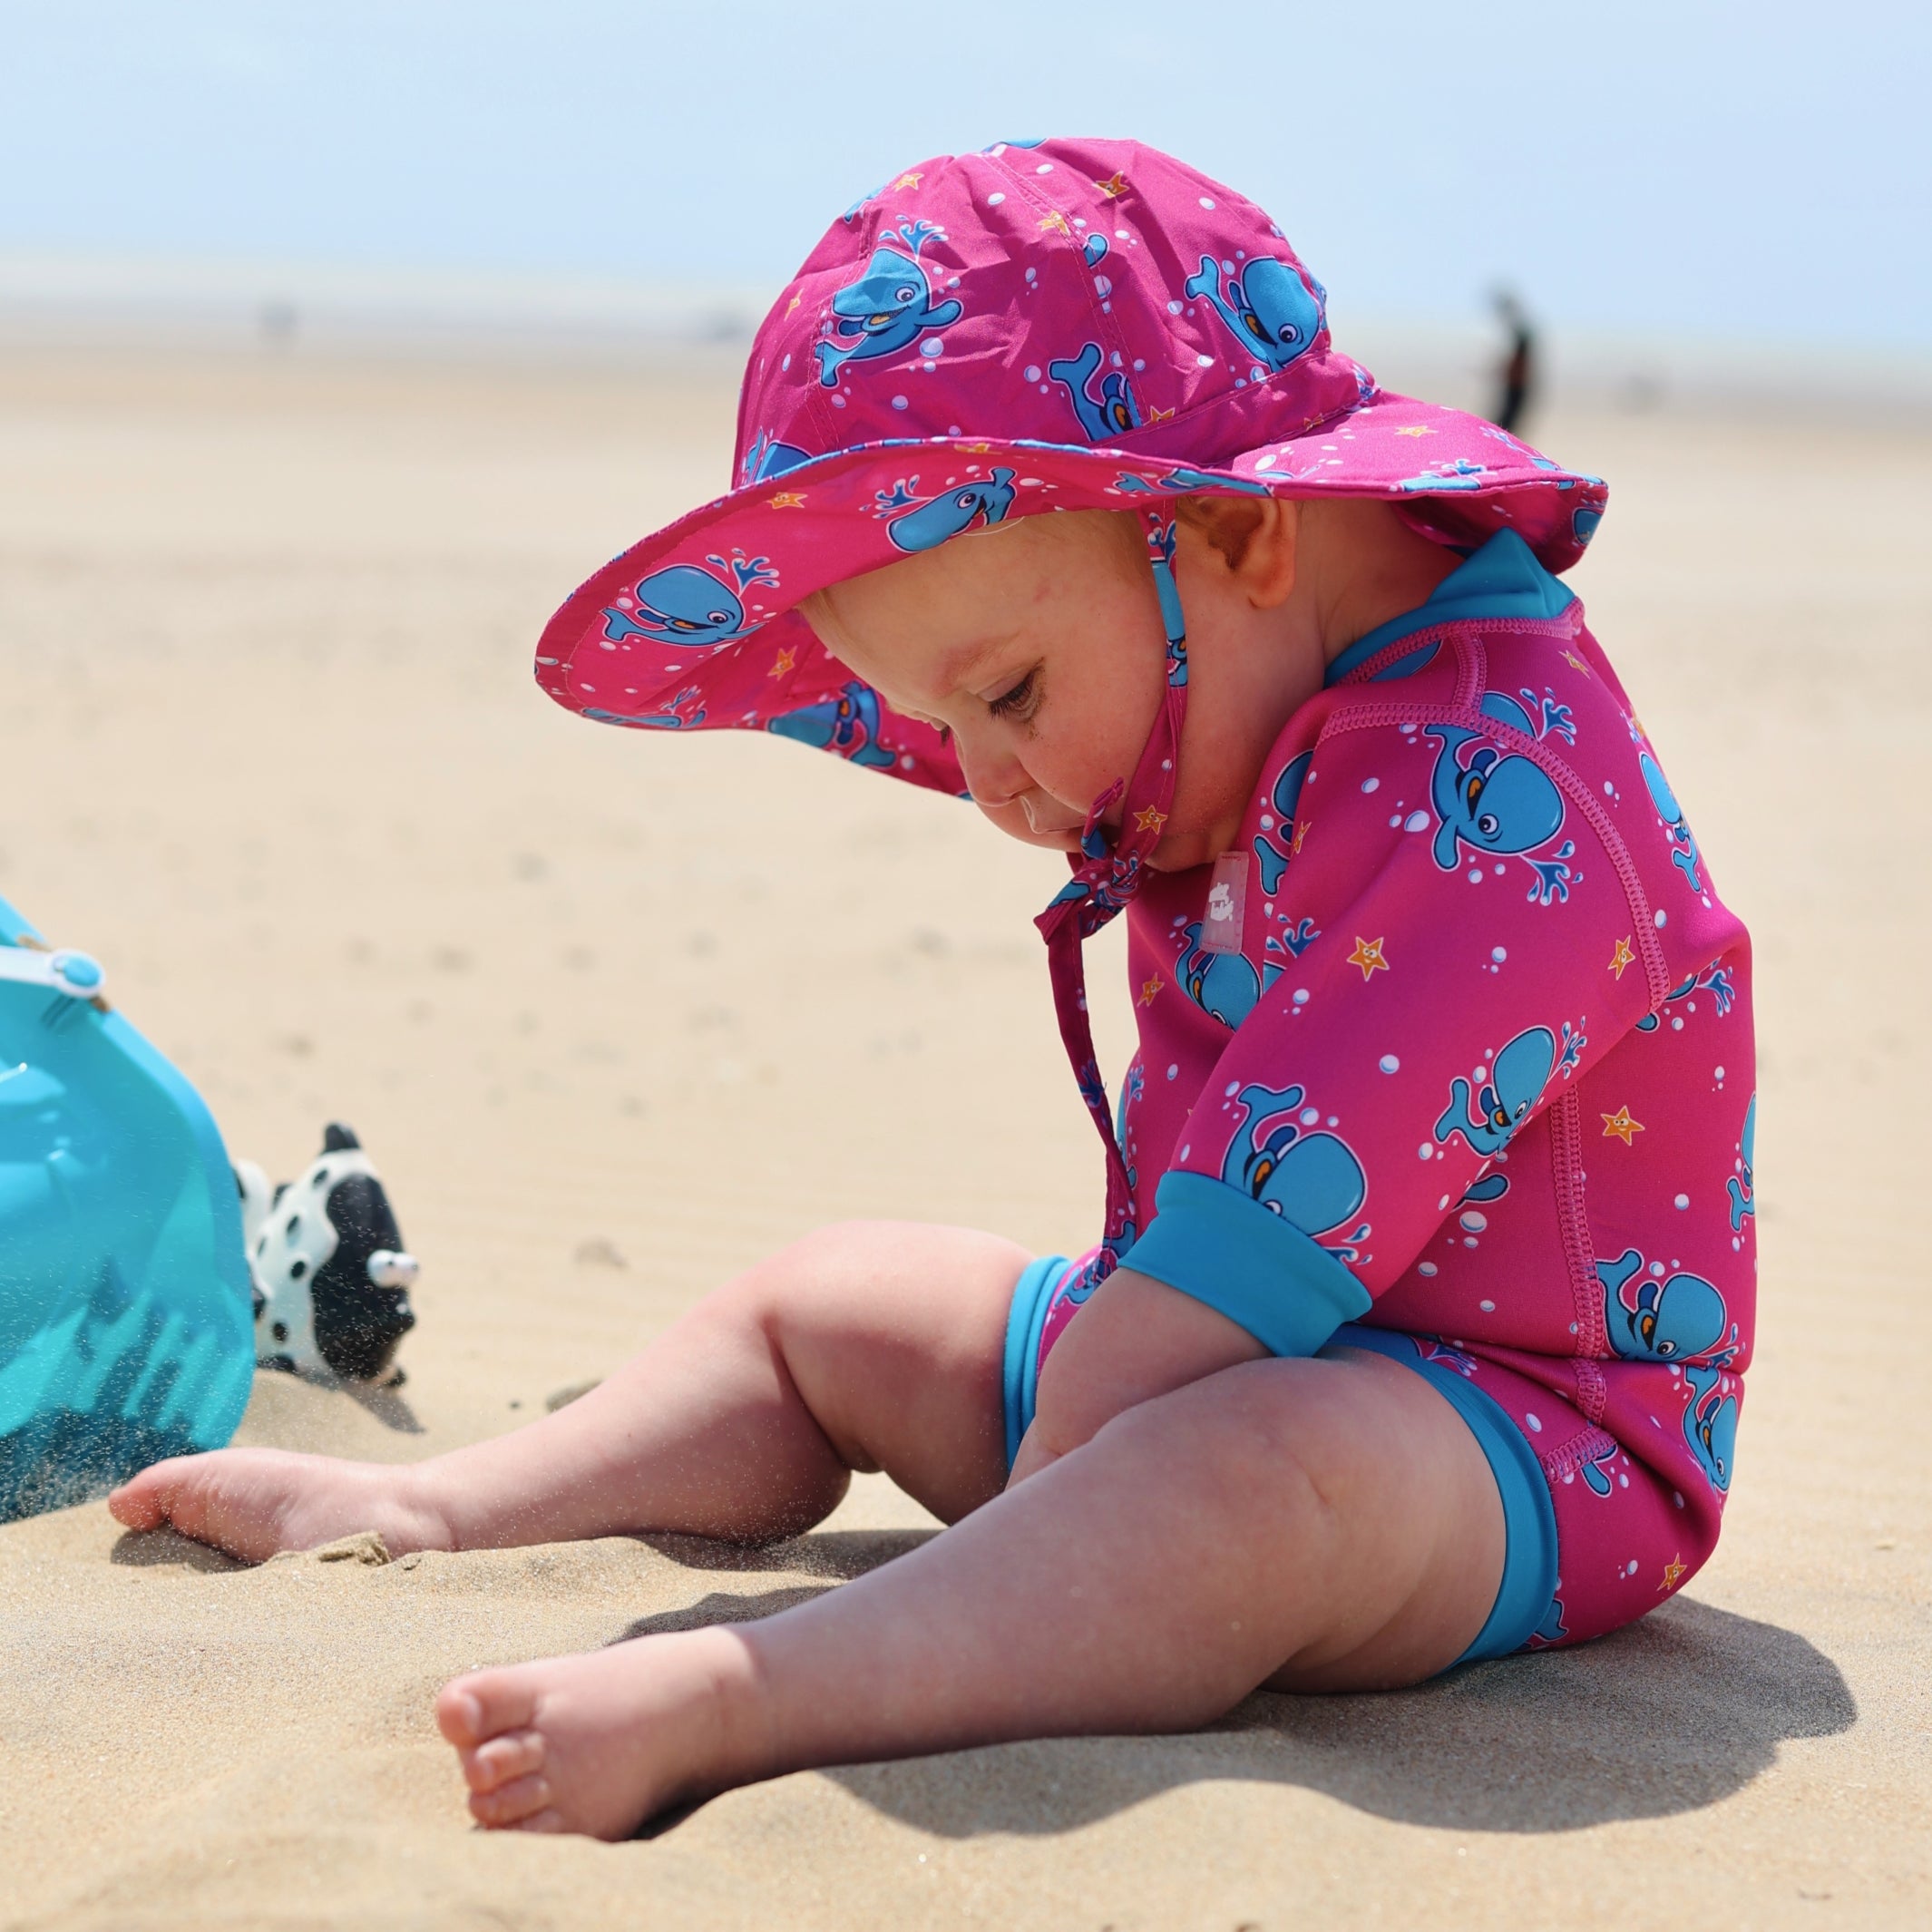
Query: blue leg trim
x,y
1033,1294
1530,1517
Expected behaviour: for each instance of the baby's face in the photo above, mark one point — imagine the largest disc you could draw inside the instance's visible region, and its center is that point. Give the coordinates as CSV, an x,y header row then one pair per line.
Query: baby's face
x,y
1038,646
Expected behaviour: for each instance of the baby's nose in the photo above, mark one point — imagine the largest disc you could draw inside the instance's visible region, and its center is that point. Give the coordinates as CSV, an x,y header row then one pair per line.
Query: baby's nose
x,y
993,781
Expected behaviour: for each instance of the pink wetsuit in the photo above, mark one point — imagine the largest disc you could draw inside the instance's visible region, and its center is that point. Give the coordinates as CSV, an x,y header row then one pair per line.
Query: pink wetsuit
x,y
1451,1055
1478,1078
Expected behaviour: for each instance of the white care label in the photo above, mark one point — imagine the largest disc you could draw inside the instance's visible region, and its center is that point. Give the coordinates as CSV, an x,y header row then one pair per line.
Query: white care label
x,y
1227,904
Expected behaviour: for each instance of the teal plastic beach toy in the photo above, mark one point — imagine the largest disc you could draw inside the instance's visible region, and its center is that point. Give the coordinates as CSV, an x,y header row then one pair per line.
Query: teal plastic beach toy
x,y
126,1322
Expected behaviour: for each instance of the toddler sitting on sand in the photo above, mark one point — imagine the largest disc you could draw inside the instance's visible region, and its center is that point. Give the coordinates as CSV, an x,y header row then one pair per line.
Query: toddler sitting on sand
x,y
1417,1328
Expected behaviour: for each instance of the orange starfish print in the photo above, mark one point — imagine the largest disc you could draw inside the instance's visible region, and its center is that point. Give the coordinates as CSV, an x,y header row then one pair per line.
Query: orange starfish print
x,y
1368,954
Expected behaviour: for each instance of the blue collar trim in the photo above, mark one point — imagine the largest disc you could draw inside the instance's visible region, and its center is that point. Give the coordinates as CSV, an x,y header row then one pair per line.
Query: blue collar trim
x,y
1503,578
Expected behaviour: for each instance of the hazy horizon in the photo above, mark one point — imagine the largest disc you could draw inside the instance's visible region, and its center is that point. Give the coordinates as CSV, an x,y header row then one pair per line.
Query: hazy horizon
x,y
1739,173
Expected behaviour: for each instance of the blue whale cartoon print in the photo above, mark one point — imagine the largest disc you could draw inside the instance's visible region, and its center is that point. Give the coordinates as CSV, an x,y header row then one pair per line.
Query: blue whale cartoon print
x,y
847,725
1552,1629
1461,475
1517,1076
1535,717
682,604
1714,978
1739,1186
768,457
1268,309
1673,1319
1683,847
1274,845
687,713
1221,984
1595,1470
1497,803
927,526
1312,1180
1182,479
1711,1423
885,309
1112,412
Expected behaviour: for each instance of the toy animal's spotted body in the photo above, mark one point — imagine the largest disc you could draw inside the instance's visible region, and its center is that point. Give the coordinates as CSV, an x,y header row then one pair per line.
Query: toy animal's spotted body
x,y
331,1277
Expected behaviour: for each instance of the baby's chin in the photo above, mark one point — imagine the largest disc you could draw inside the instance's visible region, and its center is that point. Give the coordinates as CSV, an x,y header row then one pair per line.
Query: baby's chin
x,y
1179,851
1012,820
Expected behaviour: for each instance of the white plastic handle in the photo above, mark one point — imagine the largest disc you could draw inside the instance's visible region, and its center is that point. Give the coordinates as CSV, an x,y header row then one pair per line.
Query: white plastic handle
x,y
79,975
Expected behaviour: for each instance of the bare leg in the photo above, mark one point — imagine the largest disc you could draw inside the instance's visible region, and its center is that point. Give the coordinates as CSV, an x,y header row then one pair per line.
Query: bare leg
x,y
1321,1525
866,1346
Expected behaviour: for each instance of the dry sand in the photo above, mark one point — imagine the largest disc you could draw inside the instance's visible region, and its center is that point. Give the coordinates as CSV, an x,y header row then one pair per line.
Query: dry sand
x,y
616,1014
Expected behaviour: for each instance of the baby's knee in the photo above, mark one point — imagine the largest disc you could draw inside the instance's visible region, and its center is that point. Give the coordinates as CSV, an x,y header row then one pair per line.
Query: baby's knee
x,y
1252,1437
805,1272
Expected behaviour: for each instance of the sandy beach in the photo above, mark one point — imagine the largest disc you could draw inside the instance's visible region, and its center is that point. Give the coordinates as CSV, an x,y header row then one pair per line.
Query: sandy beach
x,y
615,1014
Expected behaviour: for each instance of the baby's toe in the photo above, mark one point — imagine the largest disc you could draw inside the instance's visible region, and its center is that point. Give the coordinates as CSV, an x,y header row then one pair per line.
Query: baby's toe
x,y
472,1710
142,1501
519,1801
516,1755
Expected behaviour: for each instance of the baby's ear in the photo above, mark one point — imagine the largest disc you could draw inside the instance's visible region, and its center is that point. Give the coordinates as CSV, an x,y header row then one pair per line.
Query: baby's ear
x,y
1256,536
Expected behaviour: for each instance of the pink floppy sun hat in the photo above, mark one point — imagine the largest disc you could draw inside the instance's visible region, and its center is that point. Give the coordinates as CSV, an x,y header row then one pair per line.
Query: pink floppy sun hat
x,y
1054,325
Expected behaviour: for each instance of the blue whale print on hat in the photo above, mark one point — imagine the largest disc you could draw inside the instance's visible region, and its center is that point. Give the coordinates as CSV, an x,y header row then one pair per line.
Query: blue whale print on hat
x,y
1268,307
929,524
768,457
885,309
847,725
1114,411
682,604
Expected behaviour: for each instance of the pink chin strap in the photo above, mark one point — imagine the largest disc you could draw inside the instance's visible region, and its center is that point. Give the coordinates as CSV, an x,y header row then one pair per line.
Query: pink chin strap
x,y
1106,876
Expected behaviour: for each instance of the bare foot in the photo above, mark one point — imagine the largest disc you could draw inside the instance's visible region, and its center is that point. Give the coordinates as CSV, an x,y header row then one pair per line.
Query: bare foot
x,y
601,1741
254,1502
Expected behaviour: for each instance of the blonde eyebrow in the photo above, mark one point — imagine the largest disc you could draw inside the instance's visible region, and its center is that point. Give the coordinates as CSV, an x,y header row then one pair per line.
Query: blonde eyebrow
x,y
954,667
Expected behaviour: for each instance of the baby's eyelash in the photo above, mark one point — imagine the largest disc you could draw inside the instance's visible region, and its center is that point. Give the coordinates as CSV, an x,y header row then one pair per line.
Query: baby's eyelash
x,y
1021,702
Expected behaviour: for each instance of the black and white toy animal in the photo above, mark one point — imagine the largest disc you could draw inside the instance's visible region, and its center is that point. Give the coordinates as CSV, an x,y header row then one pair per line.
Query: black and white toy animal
x,y
330,1273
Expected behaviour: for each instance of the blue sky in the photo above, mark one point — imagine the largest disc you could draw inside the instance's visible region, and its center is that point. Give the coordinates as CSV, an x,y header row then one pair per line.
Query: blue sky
x,y
1758,172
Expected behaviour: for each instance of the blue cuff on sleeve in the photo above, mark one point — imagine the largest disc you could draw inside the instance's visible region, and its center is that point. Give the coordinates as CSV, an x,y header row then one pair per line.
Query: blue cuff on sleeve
x,y
1213,1242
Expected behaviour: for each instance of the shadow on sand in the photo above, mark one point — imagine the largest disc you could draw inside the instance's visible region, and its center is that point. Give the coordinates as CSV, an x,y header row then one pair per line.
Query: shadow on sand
x,y
1670,1714
837,1555
1665,1716
166,1548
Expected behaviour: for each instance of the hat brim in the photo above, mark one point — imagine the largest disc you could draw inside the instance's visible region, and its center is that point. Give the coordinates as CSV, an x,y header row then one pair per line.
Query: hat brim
x,y
696,625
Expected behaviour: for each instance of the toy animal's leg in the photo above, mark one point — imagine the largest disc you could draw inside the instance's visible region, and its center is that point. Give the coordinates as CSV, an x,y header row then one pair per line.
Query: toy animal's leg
x,y
1325,1525
867,1346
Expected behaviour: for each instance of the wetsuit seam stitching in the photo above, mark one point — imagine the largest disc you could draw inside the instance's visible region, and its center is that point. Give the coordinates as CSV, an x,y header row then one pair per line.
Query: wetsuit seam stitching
x,y
1574,1220
1359,718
